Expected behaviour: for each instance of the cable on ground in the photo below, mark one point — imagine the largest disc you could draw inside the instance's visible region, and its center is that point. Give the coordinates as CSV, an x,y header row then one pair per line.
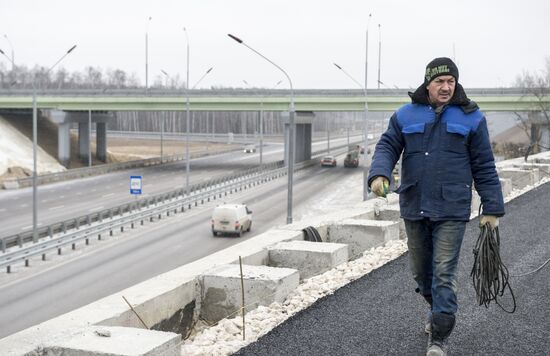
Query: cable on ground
x,y
489,274
311,234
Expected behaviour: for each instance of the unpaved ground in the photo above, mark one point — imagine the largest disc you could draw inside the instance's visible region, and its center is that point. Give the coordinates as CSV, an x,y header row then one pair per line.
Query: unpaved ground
x,y
126,149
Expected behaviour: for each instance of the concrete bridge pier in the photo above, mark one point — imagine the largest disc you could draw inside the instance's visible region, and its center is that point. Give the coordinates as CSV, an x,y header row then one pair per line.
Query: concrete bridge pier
x,y
64,143
303,134
64,120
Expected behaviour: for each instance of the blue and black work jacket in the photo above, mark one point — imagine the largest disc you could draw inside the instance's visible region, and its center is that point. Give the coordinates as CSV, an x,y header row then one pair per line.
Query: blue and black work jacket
x,y
444,151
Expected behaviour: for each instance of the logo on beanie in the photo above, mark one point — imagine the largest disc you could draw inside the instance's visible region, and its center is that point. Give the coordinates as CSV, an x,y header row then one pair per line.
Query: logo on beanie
x,y
436,71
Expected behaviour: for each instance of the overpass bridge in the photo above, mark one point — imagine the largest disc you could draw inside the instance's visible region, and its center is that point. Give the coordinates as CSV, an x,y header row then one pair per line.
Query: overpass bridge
x,y
504,99
97,106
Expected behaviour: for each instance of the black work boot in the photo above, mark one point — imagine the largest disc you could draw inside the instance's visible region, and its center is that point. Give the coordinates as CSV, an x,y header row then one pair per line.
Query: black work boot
x,y
442,326
428,324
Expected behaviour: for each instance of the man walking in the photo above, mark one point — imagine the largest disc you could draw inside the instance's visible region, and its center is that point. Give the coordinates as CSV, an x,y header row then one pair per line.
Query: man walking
x,y
445,145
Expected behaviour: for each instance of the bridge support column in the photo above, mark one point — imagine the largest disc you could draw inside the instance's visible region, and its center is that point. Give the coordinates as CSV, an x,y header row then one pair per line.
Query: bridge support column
x,y
101,141
303,132
83,141
64,143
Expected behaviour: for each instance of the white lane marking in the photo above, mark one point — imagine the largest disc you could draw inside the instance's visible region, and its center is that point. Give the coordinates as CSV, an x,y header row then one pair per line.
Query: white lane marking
x,y
30,226
96,209
107,195
57,207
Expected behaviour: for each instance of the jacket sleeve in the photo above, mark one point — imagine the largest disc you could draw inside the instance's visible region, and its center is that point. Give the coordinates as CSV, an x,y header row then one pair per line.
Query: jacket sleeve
x,y
387,151
484,172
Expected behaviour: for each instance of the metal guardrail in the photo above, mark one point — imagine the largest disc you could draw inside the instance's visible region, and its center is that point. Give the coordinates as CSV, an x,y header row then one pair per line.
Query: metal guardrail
x,y
141,211
75,223
105,168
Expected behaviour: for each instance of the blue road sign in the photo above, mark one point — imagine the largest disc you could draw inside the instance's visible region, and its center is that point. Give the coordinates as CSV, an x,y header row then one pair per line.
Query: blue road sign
x,y
135,184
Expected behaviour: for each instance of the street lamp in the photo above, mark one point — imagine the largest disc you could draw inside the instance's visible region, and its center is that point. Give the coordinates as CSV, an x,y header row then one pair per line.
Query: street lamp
x,y
379,53
187,122
261,118
34,143
366,110
291,111
201,78
147,56
12,52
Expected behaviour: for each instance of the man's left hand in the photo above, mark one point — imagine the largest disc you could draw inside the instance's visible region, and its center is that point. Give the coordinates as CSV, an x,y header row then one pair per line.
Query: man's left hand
x,y
491,219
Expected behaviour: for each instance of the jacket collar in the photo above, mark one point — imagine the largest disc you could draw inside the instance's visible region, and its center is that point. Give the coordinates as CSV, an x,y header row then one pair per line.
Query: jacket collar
x,y
420,96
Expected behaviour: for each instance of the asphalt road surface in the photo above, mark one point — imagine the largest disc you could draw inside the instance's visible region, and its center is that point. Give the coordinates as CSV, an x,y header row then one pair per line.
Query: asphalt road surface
x,y
69,199
379,314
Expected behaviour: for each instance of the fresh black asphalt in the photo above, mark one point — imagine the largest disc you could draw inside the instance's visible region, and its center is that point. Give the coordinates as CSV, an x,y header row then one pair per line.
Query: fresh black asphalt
x,y
379,314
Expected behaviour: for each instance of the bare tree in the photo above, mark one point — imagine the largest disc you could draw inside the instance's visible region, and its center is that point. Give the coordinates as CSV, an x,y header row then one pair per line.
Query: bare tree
x,y
536,123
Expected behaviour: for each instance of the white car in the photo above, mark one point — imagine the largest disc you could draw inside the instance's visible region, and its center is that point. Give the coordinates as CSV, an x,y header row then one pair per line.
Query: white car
x,y
249,149
328,161
231,219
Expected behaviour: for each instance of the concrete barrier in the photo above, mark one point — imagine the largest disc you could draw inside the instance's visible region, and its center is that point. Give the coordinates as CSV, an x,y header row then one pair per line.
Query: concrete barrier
x,y
108,341
360,235
520,177
309,258
221,291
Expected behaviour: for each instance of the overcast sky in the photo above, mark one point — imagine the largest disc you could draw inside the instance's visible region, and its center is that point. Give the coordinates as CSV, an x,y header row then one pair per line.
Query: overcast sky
x,y
492,41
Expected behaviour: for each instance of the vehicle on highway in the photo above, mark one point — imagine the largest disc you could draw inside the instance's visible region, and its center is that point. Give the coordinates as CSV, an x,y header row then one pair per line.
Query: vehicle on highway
x,y
231,219
362,150
352,159
249,149
328,161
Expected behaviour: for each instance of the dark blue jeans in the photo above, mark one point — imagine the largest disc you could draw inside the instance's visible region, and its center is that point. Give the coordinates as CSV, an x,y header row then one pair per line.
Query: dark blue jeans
x,y
434,248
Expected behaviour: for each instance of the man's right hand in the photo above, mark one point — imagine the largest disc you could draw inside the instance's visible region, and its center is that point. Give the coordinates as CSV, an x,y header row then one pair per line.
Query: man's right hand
x,y
380,186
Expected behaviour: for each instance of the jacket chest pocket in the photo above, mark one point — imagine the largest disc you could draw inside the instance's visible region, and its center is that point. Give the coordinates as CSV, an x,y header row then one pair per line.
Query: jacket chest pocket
x,y
456,138
414,137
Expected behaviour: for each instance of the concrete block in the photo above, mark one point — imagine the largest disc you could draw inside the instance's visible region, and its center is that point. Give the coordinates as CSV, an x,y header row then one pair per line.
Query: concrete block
x,y
506,186
221,288
520,178
309,258
391,212
116,341
361,235
544,168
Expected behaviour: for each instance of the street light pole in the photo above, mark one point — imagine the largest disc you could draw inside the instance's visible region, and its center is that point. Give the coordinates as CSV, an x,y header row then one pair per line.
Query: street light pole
x,y
366,121
12,53
201,78
292,112
147,56
365,168
261,118
379,53
34,143
187,121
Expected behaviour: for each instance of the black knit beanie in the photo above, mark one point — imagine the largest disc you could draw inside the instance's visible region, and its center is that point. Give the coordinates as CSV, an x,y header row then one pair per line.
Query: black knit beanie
x,y
440,66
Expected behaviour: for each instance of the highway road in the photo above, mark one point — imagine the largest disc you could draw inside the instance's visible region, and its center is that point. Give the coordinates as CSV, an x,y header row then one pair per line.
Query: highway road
x,y
70,199
44,290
